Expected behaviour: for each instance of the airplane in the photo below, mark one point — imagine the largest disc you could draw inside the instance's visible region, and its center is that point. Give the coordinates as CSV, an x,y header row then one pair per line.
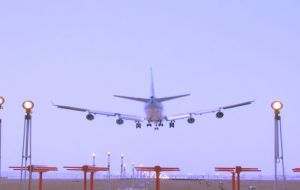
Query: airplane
x,y
154,111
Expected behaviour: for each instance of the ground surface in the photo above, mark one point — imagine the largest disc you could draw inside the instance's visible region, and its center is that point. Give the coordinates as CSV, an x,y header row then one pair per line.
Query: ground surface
x,y
146,185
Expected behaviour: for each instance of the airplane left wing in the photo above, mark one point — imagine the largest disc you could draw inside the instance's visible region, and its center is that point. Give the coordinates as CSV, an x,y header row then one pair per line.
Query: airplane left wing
x,y
218,111
91,113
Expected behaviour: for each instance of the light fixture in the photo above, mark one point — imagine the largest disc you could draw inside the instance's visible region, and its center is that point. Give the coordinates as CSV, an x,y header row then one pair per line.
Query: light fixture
x,y
2,100
28,105
108,153
122,155
276,106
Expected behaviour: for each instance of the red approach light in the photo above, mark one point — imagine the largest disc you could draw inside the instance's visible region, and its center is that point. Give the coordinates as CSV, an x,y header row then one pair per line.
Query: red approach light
x,y
85,169
38,169
236,171
296,170
157,170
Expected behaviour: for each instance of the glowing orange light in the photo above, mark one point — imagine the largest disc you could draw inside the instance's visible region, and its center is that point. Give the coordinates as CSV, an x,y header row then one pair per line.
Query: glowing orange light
x,y
2,100
276,105
28,105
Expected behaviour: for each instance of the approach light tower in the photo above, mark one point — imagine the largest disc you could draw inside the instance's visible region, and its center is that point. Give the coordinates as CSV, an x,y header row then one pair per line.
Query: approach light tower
x,y
94,158
133,165
278,148
26,148
1,103
122,166
108,164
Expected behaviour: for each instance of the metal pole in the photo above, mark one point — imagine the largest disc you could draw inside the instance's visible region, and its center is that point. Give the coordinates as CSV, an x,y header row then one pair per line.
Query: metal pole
x,y
1,107
41,181
276,149
238,181
30,145
92,181
108,164
23,156
281,144
157,180
124,171
132,169
0,147
94,163
26,151
121,173
233,181
84,180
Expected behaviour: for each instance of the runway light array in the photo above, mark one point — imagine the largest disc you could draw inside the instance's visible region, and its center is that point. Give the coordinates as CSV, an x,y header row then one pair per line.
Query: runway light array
x,y
276,105
28,105
2,100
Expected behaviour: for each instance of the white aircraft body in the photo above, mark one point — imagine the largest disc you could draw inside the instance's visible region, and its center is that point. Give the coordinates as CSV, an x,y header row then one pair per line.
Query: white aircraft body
x,y
153,110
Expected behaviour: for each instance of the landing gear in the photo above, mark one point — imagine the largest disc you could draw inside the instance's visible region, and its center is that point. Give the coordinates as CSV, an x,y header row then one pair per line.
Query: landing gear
x,y
172,124
138,125
149,124
158,124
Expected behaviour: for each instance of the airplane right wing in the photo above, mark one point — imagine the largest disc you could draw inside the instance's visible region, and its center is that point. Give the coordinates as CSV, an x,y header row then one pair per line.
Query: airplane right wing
x,y
91,113
218,111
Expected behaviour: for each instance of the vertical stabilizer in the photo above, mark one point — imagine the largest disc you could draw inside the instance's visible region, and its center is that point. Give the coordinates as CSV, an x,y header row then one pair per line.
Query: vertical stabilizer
x,y
152,85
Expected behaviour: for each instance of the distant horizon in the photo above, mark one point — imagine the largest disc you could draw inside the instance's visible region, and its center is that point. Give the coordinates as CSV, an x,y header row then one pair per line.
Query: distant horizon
x,y
103,175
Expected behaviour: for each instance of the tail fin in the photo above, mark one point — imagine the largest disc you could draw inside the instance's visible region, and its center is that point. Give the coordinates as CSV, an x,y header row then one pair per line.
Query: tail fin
x,y
152,85
171,97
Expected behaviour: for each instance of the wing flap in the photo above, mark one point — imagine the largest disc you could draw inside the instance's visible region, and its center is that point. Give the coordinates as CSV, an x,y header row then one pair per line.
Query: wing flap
x,y
188,115
109,114
71,108
237,105
131,117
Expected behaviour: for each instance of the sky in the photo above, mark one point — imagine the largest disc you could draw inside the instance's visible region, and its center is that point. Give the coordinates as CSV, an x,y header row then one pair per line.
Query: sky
x,y
81,53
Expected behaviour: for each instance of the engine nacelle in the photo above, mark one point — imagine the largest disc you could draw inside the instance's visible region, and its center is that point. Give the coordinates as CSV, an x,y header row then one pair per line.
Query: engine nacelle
x,y
119,121
191,120
90,117
219,114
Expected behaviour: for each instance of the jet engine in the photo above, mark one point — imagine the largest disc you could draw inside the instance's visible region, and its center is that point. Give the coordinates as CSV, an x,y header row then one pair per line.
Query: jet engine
x,y
90,117
119,121
191,120
219,114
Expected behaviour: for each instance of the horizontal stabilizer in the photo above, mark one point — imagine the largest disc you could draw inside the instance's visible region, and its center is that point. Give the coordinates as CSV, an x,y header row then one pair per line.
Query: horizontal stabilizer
x,y
171,97
133,98
238,105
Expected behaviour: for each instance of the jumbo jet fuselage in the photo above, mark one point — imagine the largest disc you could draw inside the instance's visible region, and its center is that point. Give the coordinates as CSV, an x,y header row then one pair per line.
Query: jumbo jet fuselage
x,y
154,110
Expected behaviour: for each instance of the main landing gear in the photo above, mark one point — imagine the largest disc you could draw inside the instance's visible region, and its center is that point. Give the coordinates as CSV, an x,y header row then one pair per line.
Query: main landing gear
x,y
138,125
160,124
172,124
157,124
149,124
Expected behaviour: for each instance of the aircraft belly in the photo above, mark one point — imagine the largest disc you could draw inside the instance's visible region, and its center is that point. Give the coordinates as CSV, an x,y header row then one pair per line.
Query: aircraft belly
x,y
154,115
